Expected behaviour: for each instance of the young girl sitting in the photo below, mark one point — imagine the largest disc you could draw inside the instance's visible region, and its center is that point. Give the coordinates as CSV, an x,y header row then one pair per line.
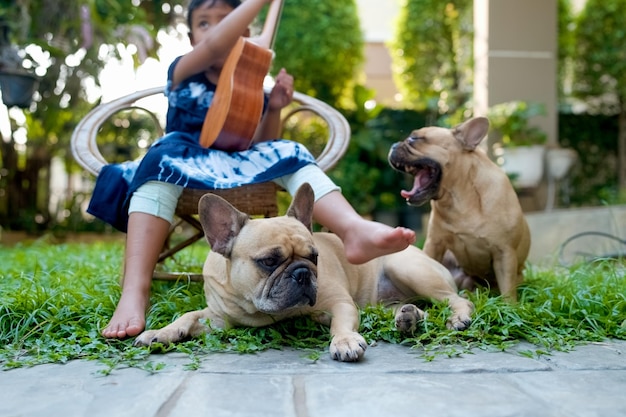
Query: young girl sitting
x,y
140,197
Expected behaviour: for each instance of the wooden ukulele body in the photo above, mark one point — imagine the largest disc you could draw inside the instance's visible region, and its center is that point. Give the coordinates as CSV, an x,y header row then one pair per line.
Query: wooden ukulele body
x,y
237,107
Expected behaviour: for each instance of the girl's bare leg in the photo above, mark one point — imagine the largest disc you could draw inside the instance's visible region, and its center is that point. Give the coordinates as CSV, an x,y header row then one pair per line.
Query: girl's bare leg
x,y
363,239
144,242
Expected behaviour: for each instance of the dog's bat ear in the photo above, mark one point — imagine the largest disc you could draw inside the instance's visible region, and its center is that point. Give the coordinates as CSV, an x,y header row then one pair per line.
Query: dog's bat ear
x,y
302,205
471,132
221,222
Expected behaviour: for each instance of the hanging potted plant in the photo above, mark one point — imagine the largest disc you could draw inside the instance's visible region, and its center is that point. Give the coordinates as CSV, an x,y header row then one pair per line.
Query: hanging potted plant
x,y
16,84
520,149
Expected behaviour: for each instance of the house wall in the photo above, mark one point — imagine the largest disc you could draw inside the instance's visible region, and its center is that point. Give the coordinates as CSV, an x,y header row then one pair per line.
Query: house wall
x,y
378,73
515,49
378,22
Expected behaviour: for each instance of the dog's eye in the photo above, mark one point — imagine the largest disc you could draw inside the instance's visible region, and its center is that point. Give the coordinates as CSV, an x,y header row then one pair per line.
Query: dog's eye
x,y
268,263
313,257
415,138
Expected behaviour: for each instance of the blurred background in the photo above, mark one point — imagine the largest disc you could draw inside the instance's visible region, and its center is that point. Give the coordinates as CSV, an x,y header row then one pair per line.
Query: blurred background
x,y
550,75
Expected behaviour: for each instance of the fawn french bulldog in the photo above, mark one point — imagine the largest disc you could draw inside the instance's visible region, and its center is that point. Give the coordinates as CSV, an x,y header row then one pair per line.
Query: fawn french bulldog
x,y
476,221
260,271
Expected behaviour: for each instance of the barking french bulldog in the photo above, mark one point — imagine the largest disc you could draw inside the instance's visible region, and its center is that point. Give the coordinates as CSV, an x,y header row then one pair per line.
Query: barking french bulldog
x,y
260,271
476,221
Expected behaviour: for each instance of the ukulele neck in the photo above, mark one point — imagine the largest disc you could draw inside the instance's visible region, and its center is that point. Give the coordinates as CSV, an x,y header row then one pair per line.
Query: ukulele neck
x,y
268,35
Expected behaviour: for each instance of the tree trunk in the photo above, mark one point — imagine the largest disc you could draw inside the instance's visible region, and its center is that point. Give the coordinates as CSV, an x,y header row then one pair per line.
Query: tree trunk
x,y
25,204
9,173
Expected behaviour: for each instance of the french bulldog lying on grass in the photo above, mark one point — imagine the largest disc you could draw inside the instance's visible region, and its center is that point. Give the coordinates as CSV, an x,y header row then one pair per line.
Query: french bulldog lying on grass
x,y
260,271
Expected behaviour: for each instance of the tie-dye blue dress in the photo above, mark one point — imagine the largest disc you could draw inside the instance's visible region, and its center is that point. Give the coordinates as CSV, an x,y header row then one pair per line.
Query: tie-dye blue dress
x,y
179,159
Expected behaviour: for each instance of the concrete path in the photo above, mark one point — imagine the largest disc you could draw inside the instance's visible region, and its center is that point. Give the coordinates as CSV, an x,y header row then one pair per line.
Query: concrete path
x,y
391,381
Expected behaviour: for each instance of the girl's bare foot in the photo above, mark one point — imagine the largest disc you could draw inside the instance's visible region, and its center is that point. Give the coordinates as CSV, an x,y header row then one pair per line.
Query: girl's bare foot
x,y
129,318
369,240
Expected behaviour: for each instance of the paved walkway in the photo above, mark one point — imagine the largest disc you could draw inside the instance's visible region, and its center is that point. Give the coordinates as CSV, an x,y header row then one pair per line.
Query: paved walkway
x,y
391,381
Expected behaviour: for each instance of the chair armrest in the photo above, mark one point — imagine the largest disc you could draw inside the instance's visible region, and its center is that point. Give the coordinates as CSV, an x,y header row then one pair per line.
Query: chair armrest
x,y
338,129
85,150
84,144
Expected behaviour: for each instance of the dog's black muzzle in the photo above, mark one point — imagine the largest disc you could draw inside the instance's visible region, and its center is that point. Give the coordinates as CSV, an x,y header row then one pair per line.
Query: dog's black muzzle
x,y
294,286
303,279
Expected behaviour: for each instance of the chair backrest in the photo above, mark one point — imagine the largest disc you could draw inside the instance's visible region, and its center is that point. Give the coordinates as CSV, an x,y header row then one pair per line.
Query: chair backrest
x,y
256,199
85,150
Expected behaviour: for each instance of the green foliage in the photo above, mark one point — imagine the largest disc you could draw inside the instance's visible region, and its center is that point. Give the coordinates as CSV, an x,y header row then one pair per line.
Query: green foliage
x,y
433,54
66,44
311,37
600,58
511,120
593,180
127,136
364,174
89,33
307,128
600,65
55,299
69,44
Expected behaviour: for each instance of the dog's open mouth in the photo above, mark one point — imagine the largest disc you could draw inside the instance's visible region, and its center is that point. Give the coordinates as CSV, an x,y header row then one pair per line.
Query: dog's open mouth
x,y
426,178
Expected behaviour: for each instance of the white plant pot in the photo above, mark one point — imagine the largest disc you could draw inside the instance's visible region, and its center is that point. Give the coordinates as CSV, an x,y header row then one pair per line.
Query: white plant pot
x,y
560,160
526,163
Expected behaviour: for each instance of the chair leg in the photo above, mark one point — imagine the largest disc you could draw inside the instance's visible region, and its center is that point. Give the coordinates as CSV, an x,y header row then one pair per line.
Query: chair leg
x,y
175,276
168,252
199,234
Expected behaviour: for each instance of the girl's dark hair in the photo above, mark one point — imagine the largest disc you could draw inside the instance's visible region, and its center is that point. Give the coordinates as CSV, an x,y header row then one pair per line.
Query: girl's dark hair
x,y
194,4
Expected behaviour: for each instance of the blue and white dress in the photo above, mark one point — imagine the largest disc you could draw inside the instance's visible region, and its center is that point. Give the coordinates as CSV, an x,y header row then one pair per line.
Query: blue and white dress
x,y
178,158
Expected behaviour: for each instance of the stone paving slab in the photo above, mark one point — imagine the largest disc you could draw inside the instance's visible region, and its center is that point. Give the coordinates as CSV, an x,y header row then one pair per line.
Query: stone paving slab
x,y
392,381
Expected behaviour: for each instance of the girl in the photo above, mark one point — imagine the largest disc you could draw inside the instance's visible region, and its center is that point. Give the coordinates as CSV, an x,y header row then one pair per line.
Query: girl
x,y
140,197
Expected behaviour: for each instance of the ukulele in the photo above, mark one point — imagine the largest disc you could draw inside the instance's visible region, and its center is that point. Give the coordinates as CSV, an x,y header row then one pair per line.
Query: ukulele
x,y
237,105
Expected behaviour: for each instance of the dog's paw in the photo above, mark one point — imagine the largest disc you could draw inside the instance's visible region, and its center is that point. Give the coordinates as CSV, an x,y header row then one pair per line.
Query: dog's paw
x,y
348,348
407,318
164,336
459,322
146,338
462,309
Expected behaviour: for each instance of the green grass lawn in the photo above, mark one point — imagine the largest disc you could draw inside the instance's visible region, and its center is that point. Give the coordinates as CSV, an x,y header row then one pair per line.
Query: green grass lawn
x,y
54,299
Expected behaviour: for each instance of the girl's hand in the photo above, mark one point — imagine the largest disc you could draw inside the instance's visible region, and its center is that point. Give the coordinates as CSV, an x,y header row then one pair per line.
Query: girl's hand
x,y
282,93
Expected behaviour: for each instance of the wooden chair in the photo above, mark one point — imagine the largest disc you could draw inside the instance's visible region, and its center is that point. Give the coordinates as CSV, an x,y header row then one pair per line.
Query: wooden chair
x,y
256,199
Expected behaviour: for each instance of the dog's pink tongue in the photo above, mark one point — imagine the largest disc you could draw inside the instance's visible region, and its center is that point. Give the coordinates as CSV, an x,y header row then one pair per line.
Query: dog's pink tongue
x,y
420,179
417,183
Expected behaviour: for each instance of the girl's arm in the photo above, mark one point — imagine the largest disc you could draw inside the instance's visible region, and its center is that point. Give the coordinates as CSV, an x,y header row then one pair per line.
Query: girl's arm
x,y
212,41
281,96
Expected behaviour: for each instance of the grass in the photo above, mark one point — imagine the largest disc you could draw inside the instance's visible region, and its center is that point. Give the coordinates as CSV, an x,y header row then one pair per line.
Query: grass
x,y
54,299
